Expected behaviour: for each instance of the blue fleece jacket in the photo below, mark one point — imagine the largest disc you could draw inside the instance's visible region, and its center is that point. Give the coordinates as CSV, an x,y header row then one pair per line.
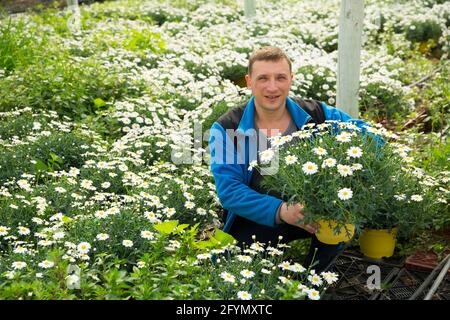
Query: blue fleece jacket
x,y
230,163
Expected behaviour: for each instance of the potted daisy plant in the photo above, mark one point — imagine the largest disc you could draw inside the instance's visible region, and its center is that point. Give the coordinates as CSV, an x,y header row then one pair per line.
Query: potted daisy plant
x,y
345,176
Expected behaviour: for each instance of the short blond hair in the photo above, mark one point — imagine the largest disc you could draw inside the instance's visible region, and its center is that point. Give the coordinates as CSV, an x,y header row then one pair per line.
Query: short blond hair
x,y
267,54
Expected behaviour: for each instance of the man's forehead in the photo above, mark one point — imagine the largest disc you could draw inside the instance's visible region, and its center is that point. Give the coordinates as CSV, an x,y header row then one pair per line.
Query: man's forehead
x,y
270,67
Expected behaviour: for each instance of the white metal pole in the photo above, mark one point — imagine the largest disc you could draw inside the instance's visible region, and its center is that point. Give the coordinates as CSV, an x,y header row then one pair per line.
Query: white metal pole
x,y
349,55
249,8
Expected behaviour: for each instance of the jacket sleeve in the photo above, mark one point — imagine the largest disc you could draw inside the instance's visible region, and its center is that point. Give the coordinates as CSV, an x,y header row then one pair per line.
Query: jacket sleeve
x,y
228,169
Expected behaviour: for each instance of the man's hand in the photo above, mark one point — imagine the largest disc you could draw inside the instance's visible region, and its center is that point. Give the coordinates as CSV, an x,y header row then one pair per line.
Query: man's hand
x,y
291,215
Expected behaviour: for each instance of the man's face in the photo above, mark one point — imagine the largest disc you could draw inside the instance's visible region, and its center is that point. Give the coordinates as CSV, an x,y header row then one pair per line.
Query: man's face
x,y
270,83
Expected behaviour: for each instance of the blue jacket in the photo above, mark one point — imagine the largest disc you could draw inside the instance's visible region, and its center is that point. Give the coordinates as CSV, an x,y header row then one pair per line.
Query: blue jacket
x,y
232,178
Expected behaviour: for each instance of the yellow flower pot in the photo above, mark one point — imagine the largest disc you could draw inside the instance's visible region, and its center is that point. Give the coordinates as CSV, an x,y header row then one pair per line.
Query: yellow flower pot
x,y
377,244
327,235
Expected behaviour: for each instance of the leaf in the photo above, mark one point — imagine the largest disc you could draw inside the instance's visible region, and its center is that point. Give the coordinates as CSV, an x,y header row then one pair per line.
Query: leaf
x,y
204,244
223,238
182,227
66,220
56,158
167,227
99,103
40,166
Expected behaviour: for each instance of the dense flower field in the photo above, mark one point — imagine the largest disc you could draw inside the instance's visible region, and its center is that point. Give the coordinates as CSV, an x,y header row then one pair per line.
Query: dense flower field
x,y
105,190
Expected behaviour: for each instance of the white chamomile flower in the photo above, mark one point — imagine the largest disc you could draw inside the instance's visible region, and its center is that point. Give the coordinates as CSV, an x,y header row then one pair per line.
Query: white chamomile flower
x,y
227,277
243,258
18,265
24,231
204,256
265,271
285,265
102,236
106,185
330,277
266,156
296,267
244,295
343,137
189,205
345,194
247,274
4,230
315,280
354,152
309,168
283,280
320,151
313,294
344,170
416,198
46,264
290,159
127,243
329,162
147,235
83,247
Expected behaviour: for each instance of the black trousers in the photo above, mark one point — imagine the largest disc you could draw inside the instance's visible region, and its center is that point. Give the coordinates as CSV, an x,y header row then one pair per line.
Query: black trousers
x,y
243,229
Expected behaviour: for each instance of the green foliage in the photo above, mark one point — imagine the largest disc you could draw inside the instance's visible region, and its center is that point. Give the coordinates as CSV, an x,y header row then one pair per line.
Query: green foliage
x,y
420,31
16,46
58,151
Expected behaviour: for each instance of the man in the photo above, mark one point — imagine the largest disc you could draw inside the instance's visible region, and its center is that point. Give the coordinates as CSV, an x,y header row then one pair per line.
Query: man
x,y
237,137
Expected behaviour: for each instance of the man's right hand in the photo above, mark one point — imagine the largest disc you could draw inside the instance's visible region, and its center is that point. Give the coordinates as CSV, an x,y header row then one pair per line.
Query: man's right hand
x,y
292,215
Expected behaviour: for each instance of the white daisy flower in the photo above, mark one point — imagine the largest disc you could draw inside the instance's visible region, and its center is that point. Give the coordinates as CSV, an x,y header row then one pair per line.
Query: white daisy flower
x,y
102,236
345,194
416,198
247,274
330,277
313,294
283,280
290,159
204,256
354,152
344,137
106,185
46,264
227,277
4,230
344,170
309,168
147,235
265,271
296,267
266,156
244,295
24,231
189,205
315,280
83,247
329,162
18,265
285,265
244,258
320,151
127,243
